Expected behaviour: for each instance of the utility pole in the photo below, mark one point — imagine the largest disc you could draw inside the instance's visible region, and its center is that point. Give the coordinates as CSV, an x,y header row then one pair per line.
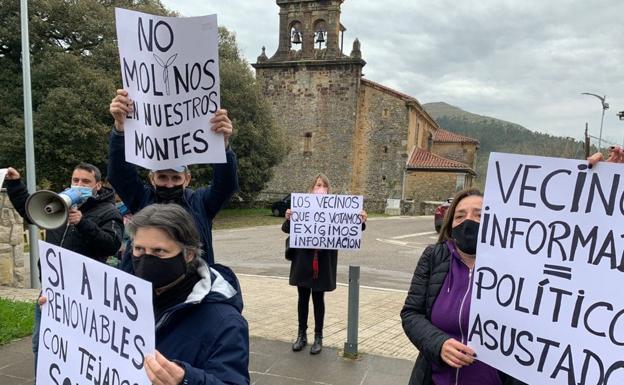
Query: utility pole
x,y
586,141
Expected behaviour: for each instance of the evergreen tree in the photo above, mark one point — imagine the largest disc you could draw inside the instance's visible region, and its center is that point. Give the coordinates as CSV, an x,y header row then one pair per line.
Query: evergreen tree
x,y
75,71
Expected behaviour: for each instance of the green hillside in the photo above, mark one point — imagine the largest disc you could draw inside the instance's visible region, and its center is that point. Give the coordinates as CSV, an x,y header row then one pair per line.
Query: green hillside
x,y
501,136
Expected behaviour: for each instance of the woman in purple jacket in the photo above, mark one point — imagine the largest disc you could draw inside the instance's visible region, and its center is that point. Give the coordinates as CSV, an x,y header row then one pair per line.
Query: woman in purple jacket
x,y
435,315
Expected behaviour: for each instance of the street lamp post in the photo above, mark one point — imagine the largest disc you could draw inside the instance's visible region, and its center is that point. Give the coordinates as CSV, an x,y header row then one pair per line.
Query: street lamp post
x,y
29,140
605,106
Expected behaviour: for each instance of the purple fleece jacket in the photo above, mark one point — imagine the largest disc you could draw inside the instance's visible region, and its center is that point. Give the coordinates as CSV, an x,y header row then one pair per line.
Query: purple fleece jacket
x,y
450,313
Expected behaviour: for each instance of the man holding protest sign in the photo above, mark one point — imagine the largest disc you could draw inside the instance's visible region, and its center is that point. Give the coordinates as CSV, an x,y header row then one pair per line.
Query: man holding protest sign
x,y
171,185
313,269
168,116
93,229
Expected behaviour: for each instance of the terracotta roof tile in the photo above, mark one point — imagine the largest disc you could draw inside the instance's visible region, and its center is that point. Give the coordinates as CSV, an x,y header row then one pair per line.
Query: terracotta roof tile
x,y
444,136
425,160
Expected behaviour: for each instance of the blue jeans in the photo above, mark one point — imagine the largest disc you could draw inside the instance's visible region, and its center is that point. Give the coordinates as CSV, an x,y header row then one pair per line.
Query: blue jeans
x,y
35,336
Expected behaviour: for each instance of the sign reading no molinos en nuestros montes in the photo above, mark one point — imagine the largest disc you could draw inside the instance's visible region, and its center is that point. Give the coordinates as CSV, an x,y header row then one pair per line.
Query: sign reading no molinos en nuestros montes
x,y
170,68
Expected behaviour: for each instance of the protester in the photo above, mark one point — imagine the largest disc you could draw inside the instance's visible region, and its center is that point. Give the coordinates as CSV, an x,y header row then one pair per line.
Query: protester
x,y
201,336
126,216
314,273
616,155
171,185
436,312
94,229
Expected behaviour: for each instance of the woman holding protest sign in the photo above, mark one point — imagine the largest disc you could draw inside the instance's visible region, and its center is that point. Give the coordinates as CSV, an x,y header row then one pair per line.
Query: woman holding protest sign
x,y
201,335
436,312
314,273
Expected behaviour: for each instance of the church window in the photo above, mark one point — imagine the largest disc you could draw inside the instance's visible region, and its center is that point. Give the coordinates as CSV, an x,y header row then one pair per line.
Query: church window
x,y
460,182
307,143
384,113
385,149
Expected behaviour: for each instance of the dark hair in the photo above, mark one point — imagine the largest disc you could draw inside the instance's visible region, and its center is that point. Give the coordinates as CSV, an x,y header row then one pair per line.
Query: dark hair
x,y
173,220
90,168
447,225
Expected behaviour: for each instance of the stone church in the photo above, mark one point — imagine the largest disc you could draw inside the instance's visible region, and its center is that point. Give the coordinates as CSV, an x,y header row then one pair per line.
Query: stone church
x,y
368,138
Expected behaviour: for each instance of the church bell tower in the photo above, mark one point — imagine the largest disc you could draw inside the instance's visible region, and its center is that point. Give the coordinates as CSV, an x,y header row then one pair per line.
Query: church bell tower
x,y
312,87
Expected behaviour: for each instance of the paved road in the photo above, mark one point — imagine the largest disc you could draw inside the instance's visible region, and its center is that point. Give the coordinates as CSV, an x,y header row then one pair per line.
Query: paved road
x,y
391,247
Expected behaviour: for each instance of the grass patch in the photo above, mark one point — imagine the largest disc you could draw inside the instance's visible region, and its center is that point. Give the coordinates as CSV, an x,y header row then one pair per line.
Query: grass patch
x,y
234,218
17,319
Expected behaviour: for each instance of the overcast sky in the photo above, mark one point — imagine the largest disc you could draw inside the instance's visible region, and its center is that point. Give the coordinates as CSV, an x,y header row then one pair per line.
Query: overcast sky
x,y
525,61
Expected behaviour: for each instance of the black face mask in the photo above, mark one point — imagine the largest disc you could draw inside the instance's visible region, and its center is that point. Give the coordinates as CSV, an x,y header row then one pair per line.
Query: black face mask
x,y
159,271
465,235
169,194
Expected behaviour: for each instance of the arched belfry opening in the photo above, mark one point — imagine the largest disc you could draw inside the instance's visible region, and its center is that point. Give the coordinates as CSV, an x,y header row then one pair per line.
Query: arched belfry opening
x,y
309,30
320,35
296,35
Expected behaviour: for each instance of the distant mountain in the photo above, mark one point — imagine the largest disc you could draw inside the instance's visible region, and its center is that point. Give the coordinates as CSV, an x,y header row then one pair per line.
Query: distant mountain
x,y
497,135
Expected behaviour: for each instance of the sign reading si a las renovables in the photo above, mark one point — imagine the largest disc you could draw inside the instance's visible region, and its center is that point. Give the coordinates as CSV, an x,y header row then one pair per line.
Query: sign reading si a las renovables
x,y
97,325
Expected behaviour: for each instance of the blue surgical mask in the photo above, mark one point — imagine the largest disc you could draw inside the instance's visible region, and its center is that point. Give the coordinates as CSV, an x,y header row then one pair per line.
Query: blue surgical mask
x,y
85,192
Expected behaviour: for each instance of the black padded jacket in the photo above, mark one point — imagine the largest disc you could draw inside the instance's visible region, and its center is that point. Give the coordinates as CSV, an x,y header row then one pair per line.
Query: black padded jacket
x,y
416,314
99,233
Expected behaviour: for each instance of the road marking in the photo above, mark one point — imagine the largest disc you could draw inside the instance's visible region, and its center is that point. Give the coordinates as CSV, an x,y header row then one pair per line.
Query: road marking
x,y
338,283
414,235
392,242
410,245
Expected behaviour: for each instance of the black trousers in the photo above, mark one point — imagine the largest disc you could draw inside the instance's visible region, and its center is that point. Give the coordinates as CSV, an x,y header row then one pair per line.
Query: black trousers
x,y
318,302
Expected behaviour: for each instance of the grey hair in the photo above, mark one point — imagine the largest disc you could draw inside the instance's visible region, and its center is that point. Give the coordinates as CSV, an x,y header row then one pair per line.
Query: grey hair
x,y
173,220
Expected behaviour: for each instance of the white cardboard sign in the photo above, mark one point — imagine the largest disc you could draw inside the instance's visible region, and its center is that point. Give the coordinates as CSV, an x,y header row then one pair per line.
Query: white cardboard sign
x,y
97,325
326,221
3,172
547,304
170,68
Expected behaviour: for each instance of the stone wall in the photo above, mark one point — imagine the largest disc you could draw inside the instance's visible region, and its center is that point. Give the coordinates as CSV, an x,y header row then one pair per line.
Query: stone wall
x,y
381,152
316,106
14,263
460,152
421,186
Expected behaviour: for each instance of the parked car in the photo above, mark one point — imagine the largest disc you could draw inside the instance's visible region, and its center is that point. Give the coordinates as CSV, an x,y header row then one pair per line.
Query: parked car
x,y
279,208
440,212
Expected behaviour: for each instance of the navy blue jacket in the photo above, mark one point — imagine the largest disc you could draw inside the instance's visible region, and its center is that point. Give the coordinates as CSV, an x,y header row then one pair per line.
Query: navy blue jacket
x,y
207,335
203,204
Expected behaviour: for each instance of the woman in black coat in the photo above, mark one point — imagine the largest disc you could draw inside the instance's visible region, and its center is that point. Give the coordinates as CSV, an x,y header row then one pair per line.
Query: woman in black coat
x,y
314,273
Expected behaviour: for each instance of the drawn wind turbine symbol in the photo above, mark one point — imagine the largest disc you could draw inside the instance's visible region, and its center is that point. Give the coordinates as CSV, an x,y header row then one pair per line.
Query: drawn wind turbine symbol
x,y
165,66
